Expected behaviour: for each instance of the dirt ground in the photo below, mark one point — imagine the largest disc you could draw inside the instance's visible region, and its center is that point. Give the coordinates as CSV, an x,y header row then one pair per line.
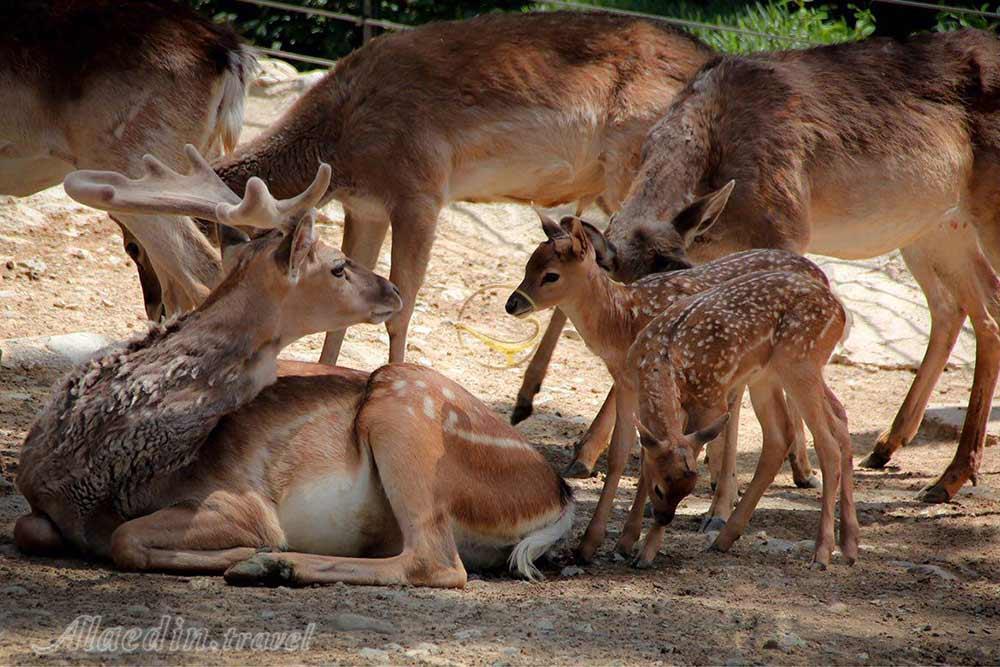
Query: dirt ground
x,y
926,589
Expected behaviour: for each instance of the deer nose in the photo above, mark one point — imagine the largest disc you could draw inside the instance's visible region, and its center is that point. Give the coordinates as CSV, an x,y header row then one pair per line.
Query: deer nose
x,y
516,304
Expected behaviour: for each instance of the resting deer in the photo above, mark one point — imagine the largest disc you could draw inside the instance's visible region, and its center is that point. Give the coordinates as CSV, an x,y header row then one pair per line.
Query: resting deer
x,y
183,451
95,85
546,107
853,151
566,272
773,331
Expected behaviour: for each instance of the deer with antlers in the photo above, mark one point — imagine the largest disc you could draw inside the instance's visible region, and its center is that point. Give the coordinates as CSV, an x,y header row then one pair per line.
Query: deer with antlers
x,y
545,107
851,150
95,85
566,272
773,331
185,451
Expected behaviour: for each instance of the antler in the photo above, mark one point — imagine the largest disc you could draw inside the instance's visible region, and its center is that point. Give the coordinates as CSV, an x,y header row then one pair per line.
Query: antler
x,y
200,193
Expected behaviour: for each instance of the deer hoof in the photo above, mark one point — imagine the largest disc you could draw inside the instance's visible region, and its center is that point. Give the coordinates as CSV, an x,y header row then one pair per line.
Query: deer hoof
x,y
810,482
874,461
521,412
577,470
818,566
934,494
642,564
712,523
260,571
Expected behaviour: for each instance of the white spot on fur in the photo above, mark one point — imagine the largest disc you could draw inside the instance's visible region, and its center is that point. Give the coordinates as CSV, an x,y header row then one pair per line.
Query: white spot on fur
x,y
429,407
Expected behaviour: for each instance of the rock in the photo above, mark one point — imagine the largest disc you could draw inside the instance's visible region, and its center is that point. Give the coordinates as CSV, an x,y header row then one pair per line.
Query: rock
x,y
79,253
545,624
137,610
785,641
201,583
933,570
348,622
13,589
421,650
266,614
510,650
584,628
838,608
33,268
571,571
55,352
374,654
773,545
468,633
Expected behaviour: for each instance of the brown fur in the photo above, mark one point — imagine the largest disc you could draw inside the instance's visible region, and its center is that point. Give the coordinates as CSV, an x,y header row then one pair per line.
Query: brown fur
x,y
850,150
774,331
546,107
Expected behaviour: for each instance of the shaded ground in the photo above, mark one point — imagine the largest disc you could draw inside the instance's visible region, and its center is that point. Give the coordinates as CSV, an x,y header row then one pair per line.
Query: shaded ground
x,y
754,605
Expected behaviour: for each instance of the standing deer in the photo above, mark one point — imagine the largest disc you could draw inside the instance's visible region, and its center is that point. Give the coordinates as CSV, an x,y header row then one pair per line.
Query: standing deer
x,y
853,151
174,453
566,272
95,85
773,331
547,107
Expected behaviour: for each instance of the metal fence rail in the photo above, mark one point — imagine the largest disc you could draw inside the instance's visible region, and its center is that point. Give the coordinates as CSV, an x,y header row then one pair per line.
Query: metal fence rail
x,y
369,21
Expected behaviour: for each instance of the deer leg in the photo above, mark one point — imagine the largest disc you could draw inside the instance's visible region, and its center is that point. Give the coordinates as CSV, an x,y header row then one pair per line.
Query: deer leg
x,y
429,556
798,455
205,537
828,424
363,238
413,223
594,441
946,323
969,455
539,365
37,535
622,443
633,525
849,529
650,546
723,450
769,406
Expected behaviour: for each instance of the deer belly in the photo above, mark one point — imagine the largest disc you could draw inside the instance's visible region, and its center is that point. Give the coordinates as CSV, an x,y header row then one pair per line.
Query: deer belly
x,y
342,513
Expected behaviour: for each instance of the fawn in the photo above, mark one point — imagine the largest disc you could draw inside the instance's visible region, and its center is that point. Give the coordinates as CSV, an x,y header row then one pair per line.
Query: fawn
x,y
773,331
184,451
566,272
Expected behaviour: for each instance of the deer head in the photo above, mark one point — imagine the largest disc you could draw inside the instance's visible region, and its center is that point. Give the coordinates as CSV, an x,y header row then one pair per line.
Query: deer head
x,y
314,286
647,243
671,465
557,266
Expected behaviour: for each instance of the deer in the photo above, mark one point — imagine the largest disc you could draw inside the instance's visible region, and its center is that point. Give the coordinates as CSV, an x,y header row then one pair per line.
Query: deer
x,y
543,107
567,271
773,331
192,449
95,85
852,151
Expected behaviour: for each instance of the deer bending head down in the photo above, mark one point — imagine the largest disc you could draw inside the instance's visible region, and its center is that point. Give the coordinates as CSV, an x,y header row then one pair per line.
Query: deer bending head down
x,y
568,271
773,331
853,151
184,451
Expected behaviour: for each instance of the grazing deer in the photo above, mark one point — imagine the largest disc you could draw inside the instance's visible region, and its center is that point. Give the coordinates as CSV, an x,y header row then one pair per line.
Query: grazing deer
x,y
546,107
773,331
566,272
95,85
173,452
853,151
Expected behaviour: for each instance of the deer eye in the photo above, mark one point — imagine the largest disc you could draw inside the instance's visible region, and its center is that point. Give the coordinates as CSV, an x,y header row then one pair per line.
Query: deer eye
x,y
658,491
338,269
550,278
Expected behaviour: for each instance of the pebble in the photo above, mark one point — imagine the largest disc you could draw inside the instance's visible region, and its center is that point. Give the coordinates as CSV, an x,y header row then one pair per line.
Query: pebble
x,y
933,570
374,654
571,571
13,589
468,633
137,610
266,614
348,622
510,650
545,624
79,253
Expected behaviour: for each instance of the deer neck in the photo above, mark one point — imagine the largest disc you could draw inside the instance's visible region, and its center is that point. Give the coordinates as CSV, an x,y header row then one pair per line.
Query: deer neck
x,y
662,398
601,310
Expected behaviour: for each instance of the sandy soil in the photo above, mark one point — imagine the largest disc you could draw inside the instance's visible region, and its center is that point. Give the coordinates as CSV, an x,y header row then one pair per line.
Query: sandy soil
x,y
927,587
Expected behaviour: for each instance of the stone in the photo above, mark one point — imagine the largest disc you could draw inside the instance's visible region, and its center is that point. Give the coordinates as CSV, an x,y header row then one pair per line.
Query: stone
x,y
349,622
571,571
137,610
374,654
60,352
933,570
266,614
545,624
468,633
13,589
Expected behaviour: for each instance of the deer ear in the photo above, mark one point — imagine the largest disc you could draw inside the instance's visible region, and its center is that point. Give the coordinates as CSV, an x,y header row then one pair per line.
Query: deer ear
x,y
710,432
581,240
603,248
297,246
646,437
702,213
551,228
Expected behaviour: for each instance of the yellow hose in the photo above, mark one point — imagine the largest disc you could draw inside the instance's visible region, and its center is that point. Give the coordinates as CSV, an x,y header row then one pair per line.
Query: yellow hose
x,y
510,349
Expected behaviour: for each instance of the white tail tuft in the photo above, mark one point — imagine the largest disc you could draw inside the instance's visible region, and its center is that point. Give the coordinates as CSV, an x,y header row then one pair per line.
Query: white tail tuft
x,y
534,545
236,79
